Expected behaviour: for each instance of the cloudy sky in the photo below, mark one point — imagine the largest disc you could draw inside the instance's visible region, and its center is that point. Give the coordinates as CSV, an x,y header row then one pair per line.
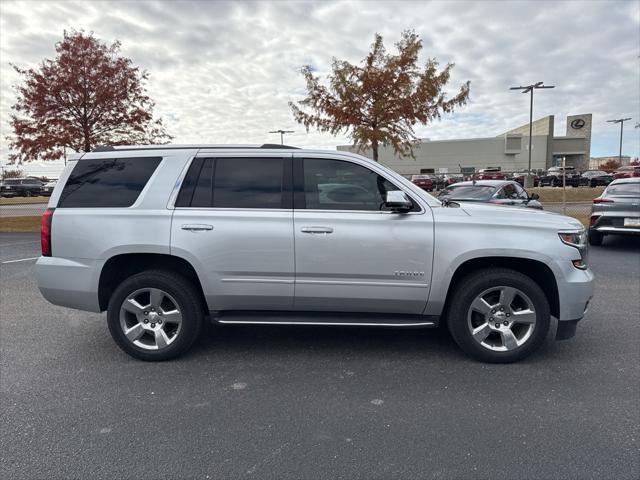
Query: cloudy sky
x,y
223,72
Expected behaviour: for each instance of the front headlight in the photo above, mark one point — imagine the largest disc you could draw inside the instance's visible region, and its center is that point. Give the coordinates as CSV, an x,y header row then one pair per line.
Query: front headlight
x,y
578,240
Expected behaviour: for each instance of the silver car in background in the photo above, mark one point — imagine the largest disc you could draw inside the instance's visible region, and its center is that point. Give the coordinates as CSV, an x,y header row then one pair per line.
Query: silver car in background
x,y
616,211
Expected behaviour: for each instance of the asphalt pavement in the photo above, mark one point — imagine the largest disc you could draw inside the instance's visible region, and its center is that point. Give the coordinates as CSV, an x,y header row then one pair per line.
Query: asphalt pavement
x,y
303,402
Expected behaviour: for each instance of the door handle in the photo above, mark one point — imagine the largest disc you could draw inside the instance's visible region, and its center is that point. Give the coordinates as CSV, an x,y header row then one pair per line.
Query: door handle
x,y
197,227
324,230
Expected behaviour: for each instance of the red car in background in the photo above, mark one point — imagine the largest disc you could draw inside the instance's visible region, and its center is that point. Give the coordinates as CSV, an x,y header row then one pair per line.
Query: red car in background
x,y
425,182
627,172
490,173
519,177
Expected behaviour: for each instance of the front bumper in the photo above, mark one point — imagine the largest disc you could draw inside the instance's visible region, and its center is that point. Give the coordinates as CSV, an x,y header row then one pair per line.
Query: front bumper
x,y
575,290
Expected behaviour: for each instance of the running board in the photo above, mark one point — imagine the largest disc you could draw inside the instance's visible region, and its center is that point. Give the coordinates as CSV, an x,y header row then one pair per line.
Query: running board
x,y
342,319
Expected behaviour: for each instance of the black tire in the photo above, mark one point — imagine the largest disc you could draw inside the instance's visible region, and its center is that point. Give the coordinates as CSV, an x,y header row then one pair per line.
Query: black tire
x,y
595,238
593,184
189,302
473,285
27,193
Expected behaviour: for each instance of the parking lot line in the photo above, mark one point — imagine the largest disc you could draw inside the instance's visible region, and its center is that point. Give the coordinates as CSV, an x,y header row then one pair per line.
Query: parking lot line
x,y
19,243
21,260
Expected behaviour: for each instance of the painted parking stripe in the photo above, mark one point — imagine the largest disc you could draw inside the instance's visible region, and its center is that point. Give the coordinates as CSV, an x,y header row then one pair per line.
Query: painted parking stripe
x,y
21,260
21,243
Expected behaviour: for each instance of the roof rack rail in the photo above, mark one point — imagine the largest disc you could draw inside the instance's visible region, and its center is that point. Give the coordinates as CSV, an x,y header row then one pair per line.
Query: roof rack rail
x,y
121,148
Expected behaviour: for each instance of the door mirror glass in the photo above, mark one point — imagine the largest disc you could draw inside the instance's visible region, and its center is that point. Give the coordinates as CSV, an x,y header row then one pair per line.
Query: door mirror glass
x,y
397,201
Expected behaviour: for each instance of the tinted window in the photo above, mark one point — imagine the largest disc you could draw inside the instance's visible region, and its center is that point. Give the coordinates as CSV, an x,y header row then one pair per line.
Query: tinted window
x,y
248,183
202,193
234,183
338,185
107,182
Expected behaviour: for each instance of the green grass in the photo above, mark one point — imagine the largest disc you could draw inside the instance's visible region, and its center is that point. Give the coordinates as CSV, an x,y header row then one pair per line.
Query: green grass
x,y
573,195
23,200
20,224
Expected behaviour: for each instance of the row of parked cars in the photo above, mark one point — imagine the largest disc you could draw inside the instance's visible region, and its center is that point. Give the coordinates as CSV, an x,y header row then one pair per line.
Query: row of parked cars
x,y
554,177
25,187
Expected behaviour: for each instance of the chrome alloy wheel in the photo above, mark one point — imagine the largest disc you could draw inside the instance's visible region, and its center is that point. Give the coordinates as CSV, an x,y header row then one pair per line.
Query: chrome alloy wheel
x,y
150,318
501,319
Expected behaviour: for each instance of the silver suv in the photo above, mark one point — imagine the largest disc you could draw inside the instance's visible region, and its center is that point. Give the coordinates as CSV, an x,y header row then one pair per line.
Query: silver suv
x,y
165,237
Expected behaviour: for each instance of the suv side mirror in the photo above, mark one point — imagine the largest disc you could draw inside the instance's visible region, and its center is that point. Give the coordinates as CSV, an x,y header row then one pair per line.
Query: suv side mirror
x,y
397,201
534,196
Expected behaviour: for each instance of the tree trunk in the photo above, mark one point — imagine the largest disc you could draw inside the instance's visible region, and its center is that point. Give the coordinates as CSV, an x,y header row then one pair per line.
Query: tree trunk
x,y
87,139
374,149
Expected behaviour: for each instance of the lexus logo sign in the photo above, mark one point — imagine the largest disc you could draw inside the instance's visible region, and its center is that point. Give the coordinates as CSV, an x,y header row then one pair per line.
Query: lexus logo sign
x,y
577,124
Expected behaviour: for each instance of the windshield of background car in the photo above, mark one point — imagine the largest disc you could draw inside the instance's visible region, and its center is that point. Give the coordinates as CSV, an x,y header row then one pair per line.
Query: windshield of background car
x,y
470,192
623,190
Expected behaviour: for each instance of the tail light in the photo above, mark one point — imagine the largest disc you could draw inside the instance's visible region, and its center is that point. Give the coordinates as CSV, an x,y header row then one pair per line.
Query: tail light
x,y
593,220
45,232
602,200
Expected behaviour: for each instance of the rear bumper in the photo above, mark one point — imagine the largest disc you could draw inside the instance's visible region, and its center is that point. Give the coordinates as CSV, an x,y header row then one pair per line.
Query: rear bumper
x,y
69,283
618,230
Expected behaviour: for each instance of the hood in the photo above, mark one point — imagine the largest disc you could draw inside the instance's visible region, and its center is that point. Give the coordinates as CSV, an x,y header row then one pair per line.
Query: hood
x,y
529,217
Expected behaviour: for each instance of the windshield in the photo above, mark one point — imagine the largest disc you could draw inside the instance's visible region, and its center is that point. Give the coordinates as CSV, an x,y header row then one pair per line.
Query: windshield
x,y
468,192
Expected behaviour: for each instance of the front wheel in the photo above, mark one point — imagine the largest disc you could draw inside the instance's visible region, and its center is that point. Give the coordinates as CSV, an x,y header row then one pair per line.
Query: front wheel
x,y
155,315
499,315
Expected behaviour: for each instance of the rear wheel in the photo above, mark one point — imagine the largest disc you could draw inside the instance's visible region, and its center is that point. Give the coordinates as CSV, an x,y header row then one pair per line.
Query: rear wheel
x,y
499,315
155,315
595,238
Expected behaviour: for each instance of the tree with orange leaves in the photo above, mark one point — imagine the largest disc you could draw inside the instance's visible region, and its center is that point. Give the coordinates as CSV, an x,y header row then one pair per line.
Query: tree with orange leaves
x,y
87,96
379,101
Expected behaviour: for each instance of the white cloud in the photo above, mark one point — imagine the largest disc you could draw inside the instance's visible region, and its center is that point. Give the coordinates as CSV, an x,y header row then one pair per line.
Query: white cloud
x,y
224,72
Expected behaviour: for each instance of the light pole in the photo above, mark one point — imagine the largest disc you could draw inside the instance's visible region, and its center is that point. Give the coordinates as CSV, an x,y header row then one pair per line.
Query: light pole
x,y
282,132
528,179
621,122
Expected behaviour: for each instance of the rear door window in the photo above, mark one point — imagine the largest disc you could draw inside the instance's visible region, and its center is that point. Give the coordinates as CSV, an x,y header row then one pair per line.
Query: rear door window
x,y
107,182
238,182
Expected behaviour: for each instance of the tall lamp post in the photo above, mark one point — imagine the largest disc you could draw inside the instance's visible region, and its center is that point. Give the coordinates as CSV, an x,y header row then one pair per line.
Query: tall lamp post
x,y
528,179
282,132
621,122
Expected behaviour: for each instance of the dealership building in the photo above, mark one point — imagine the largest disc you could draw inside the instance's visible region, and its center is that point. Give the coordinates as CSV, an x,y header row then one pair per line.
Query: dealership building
x,y
509,150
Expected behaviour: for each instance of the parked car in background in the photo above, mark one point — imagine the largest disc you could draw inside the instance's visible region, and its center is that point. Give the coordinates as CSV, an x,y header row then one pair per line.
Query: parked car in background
x,y
616,211
448,179
6,190
490,173
627,172
425,182
48,187
25,187
554,177
596,178
501,192
519,177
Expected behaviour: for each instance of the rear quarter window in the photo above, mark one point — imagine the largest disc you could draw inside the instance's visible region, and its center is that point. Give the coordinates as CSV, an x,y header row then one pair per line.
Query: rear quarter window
x,y
111,182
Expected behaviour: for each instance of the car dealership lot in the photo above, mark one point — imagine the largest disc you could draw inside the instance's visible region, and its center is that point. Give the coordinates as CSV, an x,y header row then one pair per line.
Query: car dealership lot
x,y
301,402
